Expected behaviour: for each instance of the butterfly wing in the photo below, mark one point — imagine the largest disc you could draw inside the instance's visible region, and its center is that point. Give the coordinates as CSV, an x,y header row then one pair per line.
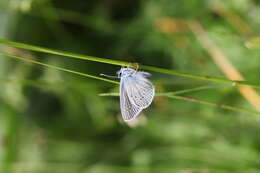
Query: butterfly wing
x,y
128,110
143,74
140,90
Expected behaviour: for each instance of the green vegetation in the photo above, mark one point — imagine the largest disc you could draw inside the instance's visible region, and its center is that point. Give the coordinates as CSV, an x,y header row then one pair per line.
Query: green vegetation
x,y
57,114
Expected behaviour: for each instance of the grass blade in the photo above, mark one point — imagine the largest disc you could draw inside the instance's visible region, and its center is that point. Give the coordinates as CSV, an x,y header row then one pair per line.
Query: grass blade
x,y
173,95
62,53
222,106
57,68
122,63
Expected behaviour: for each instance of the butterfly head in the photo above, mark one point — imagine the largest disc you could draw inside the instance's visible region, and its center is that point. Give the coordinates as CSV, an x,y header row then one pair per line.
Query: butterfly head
x,y
125,72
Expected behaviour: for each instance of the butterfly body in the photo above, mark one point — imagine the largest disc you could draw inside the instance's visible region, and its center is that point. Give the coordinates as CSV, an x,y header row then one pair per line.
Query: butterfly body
x,y
136,92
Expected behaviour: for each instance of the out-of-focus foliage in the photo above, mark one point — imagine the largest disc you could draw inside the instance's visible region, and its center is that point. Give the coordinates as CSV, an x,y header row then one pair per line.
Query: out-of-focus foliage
x,y
57,123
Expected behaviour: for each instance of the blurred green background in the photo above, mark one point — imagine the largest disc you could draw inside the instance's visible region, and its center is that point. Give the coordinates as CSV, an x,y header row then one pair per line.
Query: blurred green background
x,y
52,121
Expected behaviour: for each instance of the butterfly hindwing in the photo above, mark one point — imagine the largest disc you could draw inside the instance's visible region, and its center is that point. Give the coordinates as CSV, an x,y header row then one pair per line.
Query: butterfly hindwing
x,y
140,91
128,110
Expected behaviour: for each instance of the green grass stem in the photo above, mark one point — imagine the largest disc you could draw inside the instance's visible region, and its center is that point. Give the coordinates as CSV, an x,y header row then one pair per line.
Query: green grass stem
x,y
122,63
174,95
57,68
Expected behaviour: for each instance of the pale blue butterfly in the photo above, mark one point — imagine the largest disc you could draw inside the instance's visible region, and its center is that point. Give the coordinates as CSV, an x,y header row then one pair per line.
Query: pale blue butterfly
x,y
136,92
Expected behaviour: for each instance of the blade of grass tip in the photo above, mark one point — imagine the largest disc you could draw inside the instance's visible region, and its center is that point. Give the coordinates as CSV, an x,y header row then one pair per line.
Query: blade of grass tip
x,y
57,68
222,106
121,63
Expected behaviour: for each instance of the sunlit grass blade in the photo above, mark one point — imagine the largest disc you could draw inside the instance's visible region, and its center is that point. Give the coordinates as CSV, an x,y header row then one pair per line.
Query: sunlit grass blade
x,y
57,68
122,63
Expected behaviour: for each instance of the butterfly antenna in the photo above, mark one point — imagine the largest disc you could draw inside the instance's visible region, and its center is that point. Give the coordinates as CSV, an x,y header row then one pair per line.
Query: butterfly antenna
x,y
108,76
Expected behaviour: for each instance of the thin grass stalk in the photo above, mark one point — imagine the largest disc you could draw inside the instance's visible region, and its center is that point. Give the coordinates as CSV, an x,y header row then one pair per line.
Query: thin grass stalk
x,y
122,63
57,68
173,95
222,106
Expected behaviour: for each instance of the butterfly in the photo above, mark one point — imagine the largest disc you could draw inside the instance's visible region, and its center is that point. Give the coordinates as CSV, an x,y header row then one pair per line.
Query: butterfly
x,y
136,92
